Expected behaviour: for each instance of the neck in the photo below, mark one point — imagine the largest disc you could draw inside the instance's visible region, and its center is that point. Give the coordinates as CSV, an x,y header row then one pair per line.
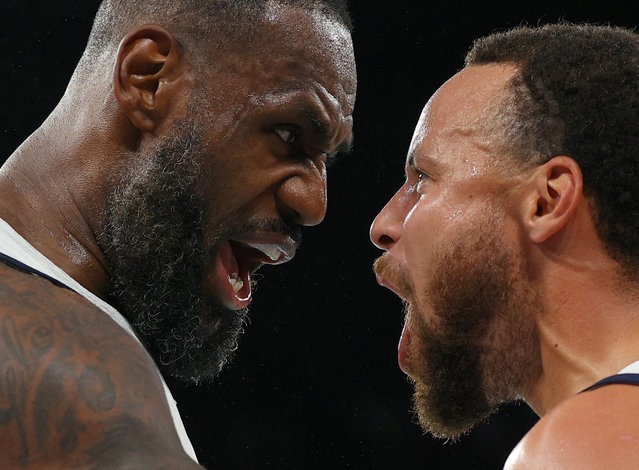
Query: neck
x,y
53,196
589,333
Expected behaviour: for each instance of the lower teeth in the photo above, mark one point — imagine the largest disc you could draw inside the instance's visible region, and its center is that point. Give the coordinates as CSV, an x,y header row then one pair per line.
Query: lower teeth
x,y
236,283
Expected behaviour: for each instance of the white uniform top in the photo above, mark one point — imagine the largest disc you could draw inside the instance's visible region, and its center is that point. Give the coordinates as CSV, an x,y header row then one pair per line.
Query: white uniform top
x,y
12,244
630,369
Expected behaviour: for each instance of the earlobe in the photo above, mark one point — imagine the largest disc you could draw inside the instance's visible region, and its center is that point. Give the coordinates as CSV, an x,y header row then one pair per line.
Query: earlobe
x,y
556,192
148,59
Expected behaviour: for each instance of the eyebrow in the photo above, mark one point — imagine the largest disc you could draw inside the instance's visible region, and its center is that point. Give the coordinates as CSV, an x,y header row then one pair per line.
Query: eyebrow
x,y
322,128
410,161
424,159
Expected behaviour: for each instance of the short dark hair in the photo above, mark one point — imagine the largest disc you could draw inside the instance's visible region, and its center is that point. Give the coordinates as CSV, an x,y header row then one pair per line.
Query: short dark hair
x,y
577,94
190,20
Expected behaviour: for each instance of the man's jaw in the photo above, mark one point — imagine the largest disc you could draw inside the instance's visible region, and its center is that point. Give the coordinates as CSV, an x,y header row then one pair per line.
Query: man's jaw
x,y
239,257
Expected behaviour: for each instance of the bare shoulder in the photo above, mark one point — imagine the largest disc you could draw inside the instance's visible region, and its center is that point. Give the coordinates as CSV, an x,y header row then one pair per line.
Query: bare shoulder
x,y
592,430
75,389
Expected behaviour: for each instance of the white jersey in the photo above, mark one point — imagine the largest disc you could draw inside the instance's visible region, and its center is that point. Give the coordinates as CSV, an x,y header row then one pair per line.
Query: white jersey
x,y
630,369
14,245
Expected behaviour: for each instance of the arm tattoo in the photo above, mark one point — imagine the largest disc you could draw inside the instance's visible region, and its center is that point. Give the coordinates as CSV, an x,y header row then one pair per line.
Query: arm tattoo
x,y
74,387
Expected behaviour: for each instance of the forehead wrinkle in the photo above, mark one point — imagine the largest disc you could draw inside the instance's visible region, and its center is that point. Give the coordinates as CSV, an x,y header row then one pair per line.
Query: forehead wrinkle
x,y
479,146
462,131
435,156
319,111
475,135
480,134
321,97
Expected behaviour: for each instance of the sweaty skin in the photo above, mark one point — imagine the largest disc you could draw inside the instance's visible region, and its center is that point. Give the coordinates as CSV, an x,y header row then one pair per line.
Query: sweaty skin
x,y
506,280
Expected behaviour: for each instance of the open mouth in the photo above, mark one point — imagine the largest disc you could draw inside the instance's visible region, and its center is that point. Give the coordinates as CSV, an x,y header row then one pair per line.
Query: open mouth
x,y
237,259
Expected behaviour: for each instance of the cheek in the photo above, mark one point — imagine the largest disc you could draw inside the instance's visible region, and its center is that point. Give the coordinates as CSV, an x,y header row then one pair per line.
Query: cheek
x,y
228,175
428,233
420,240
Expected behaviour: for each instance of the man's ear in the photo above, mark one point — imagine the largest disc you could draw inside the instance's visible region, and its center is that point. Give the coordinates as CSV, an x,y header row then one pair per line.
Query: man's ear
x,y
553,198
149,60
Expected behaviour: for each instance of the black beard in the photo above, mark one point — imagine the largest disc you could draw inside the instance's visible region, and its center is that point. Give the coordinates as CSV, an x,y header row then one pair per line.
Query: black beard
x,y
156,253
480,349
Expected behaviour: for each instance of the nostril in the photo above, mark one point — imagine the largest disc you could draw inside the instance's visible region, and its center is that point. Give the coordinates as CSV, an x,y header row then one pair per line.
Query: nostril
x,y
385,240
288,214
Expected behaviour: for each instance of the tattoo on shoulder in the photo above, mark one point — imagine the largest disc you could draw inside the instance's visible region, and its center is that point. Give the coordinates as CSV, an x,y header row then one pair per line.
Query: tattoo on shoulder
x,y
68,375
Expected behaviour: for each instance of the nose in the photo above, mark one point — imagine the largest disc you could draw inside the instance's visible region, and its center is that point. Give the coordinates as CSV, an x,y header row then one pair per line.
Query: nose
x,y
386,229
301,198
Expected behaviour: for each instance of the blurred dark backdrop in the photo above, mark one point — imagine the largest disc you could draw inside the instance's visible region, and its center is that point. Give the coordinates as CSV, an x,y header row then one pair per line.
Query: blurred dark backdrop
x,y
315,382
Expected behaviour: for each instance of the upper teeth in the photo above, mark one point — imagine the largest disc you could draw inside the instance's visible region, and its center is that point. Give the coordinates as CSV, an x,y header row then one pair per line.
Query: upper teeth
x,y
236,283
269,250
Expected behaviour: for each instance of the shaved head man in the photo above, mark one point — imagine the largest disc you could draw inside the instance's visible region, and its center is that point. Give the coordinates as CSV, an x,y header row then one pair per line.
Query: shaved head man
x,y
514,243
189,148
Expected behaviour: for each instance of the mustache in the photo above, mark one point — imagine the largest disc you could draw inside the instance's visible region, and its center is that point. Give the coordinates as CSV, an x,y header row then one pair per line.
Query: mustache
x,y
283,227
394,274
260,224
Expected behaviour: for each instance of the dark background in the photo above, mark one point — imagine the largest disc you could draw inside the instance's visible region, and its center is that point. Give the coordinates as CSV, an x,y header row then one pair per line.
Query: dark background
x,y
315,382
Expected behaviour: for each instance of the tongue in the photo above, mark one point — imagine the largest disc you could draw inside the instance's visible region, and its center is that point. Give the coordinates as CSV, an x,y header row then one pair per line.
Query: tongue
x,y
227,273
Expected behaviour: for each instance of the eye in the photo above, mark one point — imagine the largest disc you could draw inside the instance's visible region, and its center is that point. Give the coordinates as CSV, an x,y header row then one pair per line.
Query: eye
x,y
286,135
422,178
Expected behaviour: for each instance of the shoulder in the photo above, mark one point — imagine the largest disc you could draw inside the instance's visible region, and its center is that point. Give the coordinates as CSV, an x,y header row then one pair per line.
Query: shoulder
x,y
75,388
39,320
592,430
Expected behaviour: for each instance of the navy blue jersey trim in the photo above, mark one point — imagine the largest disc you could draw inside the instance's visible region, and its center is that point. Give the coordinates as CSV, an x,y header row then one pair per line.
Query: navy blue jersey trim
x,y
20,265
629,379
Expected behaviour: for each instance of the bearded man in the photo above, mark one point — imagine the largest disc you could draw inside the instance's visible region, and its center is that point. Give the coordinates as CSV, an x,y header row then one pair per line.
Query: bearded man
x,y
187,151
514,243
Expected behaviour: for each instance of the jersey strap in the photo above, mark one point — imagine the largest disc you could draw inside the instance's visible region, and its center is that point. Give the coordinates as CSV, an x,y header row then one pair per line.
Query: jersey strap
x,y
629,379
20,265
